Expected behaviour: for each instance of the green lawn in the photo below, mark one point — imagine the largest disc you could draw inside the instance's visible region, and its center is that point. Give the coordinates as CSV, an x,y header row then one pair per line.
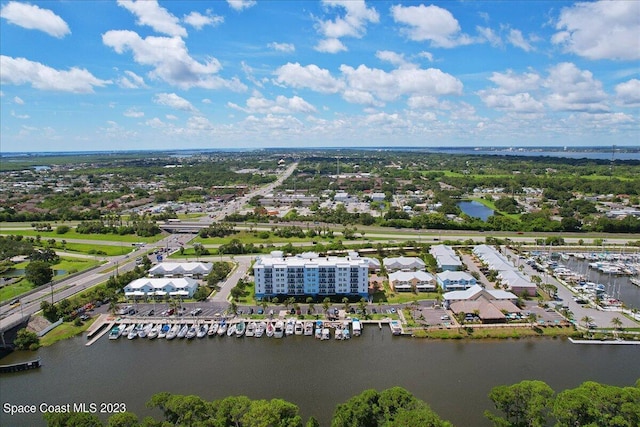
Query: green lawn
x,y
64,331
90,249
72,234
14,290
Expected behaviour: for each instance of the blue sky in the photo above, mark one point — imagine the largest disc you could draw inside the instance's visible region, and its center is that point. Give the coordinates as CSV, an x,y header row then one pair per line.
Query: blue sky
x,y
122,75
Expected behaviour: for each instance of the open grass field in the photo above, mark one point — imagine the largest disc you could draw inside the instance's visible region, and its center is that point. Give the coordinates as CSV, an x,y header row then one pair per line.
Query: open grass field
x,y
91,249
72,234
64,331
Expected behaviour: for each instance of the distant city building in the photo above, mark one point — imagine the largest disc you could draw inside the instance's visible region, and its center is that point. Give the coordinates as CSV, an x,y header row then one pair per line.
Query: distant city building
x,y
408,281
403,264
446,258
455,280
310,274
181,287
181,269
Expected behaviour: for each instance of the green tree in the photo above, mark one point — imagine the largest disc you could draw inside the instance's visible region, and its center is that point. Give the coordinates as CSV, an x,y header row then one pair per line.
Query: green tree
x,y
524,404
72,419
26,340
123,419
616,323
38,272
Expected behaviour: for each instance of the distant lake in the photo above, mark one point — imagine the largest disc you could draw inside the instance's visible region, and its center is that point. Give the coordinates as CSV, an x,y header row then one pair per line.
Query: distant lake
x,y
475,209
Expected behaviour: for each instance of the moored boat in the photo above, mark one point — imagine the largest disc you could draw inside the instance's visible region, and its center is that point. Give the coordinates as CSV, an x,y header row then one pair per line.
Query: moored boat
x,y
270,331
213,329
357,327
326,334
251,329
183,331
260,329
241,328
231,329
144,331
308,328
345,330
173,332
202,330
115,333
318,332
289,327
338,333
222,328
164,330
278,329
635,281
298,329
133,332
154,332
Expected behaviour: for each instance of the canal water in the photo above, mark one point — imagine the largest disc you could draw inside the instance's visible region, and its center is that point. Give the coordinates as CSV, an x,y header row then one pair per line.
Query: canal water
x,y
475,209
454,377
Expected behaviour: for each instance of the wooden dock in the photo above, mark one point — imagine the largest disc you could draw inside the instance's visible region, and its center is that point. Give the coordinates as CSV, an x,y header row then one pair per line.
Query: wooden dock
x,y
20,366
98,328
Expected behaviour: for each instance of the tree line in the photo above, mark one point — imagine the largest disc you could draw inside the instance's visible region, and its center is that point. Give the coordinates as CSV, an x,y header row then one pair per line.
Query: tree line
x,y
529,403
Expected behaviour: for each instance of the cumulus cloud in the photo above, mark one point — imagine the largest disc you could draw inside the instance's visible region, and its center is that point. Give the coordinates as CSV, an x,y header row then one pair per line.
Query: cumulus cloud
x,y
394,58
282,47
574,90
18,100
600,30
131,81
511,82
151,14
33,17
516,38
430,23
310,77
240,5
352,24
489,35
18,71
198,20
281,105
133,113
628,93
174,101
170,60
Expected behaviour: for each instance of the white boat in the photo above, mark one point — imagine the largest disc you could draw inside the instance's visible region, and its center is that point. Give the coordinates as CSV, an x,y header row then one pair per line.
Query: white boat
x,y
202,330
192,332
144,331
222,328
164,330
345,330
308,328
231,329
338,333
213,329
133,332
635,281
183,331
318,332
173,332
260,329
241,328
396,329
298,329
251,329
115,333
278,329
357,327
326,334
154,332
270,329
288,330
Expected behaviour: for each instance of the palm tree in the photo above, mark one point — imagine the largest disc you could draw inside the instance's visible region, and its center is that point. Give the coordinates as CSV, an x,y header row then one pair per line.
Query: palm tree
x,y
345,301
586,320
326,302
616,322
311,308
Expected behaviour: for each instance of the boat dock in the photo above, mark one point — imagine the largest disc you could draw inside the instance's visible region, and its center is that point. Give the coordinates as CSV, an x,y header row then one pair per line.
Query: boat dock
x,y
604,342
20,366
98,328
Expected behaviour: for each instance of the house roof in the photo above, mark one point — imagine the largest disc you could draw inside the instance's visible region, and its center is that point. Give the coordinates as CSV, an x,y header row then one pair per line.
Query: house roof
x,y
406,276
165,268
477,291
455,276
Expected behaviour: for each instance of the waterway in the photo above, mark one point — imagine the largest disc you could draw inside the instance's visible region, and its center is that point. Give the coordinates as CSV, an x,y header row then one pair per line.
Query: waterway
x,y
454,377
475,209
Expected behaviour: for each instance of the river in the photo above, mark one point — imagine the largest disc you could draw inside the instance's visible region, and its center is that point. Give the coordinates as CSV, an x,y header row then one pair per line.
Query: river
x,y
454,377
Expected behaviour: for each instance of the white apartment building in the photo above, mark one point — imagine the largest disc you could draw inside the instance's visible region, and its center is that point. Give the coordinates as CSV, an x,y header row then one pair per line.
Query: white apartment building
x,y
310,274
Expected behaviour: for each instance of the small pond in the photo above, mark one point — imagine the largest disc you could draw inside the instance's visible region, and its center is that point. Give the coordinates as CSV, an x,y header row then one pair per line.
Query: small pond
x,y
475,209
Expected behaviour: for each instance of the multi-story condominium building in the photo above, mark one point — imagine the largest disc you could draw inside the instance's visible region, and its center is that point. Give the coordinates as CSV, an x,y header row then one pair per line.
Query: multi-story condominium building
x,y
310,274
446,258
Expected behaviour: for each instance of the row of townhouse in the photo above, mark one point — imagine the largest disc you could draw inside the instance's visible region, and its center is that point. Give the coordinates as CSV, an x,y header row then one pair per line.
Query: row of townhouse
x,y
516,281
169,279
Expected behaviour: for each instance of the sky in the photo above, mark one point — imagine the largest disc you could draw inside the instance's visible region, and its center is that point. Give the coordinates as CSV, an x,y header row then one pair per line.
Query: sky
x,y
136,75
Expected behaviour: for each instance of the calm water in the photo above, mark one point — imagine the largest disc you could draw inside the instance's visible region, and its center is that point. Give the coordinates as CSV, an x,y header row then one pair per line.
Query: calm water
x,y
475,209
453,377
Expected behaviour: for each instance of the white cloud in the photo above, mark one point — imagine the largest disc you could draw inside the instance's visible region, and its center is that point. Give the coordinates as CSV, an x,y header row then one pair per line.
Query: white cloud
x,y
198,20
431,23
151,14
32,17
171,117
628,93
174,101
600,30
352,24
427,55
281,105
19,116
155,123
282,47
515,103
240,5
489,35
131,81
330,46
574,90
516,38
18,100
206,101
510,82
133,113
389,86
394,58
171,61
19,71
310,76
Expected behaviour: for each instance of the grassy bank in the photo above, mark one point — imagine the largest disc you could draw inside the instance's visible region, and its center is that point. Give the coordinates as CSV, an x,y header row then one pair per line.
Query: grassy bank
x,y
496,333
64,331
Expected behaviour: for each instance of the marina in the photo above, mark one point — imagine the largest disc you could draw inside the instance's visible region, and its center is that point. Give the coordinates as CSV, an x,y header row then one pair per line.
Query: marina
x,y
169,329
